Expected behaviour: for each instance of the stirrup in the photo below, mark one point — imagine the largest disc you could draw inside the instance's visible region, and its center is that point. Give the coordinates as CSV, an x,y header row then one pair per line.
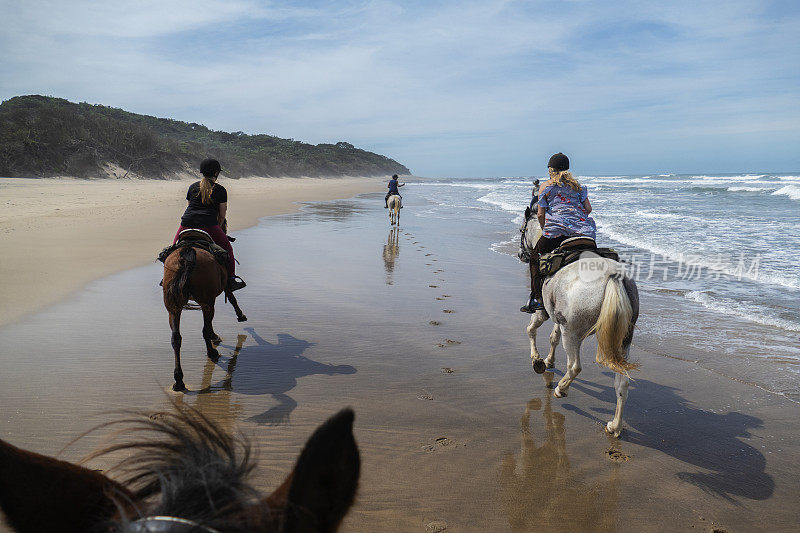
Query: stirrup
x,y
235,283
532,306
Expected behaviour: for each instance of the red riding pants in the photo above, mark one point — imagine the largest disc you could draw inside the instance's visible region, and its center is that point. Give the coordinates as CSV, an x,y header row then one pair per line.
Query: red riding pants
x,y
220,238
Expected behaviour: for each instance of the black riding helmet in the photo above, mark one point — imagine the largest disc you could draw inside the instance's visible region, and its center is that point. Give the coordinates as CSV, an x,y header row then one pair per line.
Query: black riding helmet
x,y
209,167
558,162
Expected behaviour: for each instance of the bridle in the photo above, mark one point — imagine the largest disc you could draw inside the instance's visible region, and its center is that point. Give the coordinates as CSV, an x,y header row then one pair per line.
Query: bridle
x,y
168,524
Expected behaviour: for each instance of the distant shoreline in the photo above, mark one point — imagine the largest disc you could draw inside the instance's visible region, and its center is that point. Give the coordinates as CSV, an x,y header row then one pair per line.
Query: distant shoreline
x,y
61,233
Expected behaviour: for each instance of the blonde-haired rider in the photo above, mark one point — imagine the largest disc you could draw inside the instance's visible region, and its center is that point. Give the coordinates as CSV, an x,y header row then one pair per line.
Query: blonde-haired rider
x,y
563,213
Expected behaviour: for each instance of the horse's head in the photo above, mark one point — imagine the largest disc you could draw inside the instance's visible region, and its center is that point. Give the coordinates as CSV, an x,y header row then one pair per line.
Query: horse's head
x,y
192,477
532,233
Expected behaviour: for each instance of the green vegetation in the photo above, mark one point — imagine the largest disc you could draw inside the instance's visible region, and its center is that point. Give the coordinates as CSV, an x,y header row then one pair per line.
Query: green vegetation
x,y
42,136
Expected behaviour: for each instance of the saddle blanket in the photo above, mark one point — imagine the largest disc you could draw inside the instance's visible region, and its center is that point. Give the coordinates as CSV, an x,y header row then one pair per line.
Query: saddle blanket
x,y
219,253
554,261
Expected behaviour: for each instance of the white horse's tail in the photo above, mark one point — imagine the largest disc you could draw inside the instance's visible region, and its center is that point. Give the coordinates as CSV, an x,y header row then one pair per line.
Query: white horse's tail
x,y
613,326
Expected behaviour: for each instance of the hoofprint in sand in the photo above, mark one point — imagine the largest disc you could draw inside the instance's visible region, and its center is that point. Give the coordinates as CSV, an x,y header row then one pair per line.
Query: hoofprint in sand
x,y
458,434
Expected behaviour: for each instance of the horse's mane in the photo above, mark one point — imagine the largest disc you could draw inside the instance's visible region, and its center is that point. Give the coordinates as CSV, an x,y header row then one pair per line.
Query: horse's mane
x,y
179,463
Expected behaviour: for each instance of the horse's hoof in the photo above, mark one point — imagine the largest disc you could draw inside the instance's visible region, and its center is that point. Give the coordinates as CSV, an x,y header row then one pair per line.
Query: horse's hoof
x,y
550,365
217,339
179,387
558,393
538,366
241,318
613,433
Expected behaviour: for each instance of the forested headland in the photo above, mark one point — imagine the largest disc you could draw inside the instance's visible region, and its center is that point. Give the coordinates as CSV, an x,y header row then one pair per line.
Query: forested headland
x,y
41,136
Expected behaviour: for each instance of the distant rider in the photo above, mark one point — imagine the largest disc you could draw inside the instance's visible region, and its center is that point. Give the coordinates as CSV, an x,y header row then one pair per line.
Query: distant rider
x,y
393,186
563,212
530,212
208,205
535,196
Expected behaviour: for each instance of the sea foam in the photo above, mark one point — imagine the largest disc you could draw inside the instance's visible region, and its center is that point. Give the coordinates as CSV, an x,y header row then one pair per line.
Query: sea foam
x,y
792,191
746,189
729,307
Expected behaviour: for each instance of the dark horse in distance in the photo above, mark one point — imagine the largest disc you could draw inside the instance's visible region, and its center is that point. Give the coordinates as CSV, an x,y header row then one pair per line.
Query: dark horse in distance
x,y
181,473
193,273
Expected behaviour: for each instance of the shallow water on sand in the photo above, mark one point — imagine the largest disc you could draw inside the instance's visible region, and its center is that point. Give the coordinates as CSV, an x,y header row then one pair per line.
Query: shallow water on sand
x,y
417,328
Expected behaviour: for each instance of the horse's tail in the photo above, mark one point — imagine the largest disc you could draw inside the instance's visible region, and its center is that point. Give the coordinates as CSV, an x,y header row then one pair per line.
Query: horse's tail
x,y
613,327
176,294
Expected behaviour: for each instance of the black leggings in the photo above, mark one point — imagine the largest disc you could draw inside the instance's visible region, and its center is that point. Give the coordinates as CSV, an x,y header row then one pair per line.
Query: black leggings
x,y
543,245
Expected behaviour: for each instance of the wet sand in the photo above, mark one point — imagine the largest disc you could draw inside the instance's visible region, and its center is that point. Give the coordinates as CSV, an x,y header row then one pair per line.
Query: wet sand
x,y
59,234
418,330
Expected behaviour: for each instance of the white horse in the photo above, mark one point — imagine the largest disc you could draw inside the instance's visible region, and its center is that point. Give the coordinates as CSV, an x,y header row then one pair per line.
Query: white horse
x,y
590,296
394,208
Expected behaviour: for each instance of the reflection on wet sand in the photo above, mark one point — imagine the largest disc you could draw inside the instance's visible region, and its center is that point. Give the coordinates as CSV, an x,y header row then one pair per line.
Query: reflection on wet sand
x,y
215,401
334,211
540,492
390,252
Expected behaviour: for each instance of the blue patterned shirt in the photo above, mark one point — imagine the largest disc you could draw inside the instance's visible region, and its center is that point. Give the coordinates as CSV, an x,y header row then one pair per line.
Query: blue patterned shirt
x,y
564,212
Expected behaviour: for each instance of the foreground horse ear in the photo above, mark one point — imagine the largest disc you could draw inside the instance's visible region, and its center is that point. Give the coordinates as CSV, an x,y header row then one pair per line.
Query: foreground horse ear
x,y
39,493
321,489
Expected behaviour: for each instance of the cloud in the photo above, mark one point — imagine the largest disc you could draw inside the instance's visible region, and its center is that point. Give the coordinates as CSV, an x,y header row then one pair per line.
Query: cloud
x,y
458,88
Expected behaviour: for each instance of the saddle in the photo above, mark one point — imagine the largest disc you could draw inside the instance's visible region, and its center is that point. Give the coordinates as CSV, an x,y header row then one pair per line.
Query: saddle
x,y
196,238
570,251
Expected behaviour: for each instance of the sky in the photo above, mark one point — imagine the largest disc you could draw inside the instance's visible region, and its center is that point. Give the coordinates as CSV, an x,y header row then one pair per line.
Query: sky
x,y
486,88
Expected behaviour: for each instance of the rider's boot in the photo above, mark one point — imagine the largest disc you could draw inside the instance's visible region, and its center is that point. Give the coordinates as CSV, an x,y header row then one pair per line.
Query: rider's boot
x,y
532,306
235,283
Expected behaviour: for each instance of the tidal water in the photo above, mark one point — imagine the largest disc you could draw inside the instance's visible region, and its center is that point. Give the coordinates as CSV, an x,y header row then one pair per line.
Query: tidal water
x,y
716,258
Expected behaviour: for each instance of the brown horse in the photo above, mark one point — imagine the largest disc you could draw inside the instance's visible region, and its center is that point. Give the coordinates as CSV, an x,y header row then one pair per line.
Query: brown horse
x,y
192,477
192,273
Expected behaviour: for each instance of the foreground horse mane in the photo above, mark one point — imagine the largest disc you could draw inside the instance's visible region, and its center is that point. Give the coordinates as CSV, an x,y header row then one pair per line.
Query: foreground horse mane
x,y
182,466
198,471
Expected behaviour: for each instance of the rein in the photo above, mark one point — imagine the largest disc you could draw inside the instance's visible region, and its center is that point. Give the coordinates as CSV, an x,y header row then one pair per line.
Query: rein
x,y
171,524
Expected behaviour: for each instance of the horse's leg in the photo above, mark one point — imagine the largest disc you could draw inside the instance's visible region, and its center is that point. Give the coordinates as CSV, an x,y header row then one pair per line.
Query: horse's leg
x,y
239,315
175,326
208,331
572,345
621,386
537,320
555,337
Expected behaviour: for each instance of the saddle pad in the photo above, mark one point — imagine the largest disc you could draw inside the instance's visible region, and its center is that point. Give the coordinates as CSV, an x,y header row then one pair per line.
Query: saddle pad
x,y
193,234
574,242
551,263
219,253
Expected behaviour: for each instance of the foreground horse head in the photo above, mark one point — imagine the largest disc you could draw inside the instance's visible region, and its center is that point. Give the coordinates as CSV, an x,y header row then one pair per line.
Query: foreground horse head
x,y
591,296
191,476
394,203
193,273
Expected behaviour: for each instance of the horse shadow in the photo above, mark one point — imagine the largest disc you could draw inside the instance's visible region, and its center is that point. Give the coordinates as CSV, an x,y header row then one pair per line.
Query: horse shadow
x,y
273,369
661,419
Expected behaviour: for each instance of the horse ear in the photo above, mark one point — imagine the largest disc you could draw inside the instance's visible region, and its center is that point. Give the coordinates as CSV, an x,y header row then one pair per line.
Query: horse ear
x,y
39,493
527,212
322,486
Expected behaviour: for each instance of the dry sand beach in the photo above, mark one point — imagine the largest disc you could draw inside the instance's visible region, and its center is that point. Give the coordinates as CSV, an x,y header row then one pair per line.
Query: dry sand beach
x,y
62,233
418,330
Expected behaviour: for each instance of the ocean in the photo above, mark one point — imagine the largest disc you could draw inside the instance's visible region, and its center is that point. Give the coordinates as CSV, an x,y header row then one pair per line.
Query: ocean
x,y
714,257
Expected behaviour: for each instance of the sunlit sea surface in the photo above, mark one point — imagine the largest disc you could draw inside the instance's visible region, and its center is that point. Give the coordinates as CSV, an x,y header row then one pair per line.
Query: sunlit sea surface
x,y
715,259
